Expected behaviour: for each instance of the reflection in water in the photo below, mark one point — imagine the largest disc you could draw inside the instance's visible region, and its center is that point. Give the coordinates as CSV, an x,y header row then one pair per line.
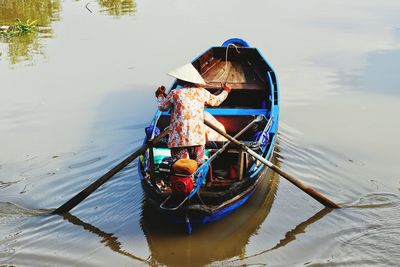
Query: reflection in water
x,y
118,8
44,11
8,209
291,235
379,75
383,65
23,48
107,239
171,246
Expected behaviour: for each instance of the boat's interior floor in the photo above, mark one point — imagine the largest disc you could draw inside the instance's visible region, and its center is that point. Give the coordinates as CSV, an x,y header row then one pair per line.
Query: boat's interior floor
x,y
231,72
238,74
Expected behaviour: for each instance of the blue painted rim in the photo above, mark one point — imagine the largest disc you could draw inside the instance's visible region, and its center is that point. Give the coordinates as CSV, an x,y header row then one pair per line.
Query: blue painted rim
x,y
236,41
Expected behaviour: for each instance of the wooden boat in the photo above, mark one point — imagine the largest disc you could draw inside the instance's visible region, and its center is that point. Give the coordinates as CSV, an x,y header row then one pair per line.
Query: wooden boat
x,y
230,176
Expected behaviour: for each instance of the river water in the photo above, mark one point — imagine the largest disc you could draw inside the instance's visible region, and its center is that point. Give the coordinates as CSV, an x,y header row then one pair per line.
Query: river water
x,y
76,95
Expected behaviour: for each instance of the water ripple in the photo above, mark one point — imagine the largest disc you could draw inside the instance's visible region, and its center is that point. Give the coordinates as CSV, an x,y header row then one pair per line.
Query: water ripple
x,y
7,184
86,162
324,169
375,200
9,209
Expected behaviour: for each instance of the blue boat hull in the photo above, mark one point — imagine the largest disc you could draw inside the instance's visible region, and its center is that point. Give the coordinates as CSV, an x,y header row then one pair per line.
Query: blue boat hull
x,y
251,97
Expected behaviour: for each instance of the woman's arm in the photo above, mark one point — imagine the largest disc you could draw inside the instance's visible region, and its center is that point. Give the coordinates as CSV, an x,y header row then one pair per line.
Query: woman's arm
x,y
216,100
164,101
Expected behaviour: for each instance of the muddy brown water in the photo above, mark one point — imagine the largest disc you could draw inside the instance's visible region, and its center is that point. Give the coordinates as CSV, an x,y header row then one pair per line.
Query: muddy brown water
x,y
76,95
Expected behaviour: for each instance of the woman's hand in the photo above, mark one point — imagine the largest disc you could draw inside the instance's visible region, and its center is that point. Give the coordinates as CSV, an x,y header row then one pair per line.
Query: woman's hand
x,y
226,88
161,91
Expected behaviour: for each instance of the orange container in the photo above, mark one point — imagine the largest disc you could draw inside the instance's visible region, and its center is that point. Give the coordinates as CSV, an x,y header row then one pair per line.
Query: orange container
x,y
185,166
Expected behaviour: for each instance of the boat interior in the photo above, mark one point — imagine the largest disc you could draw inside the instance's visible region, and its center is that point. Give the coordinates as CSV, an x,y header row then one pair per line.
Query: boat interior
x,y
247,73
244,69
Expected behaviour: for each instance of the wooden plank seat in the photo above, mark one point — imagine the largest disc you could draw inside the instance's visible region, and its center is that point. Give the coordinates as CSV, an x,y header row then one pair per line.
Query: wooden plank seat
x,y
237,111
214,86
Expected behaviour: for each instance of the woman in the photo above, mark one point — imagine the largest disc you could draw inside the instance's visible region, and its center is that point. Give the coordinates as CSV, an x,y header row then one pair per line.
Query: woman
x,y
187,136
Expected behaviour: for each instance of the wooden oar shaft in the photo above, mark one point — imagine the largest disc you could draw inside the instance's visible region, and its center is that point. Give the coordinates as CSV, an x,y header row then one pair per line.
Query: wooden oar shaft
x,y
222,149
310,191
67,206
78,198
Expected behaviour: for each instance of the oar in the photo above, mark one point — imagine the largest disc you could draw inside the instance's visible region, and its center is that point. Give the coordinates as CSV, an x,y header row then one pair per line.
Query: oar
x,y
222,149
78,198
310,191
205,165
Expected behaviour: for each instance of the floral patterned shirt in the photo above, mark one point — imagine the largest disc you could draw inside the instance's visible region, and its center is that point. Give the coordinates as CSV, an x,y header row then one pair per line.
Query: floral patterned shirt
x,y
187,114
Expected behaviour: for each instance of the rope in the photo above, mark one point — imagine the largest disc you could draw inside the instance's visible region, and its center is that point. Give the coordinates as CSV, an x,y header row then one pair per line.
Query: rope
x,y
226,60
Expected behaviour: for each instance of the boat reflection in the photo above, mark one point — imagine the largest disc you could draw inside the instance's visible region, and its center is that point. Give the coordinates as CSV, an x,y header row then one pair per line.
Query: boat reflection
x,y
222,240
25,47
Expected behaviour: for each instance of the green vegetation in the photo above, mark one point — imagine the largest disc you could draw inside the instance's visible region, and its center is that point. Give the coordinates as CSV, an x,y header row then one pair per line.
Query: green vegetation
x,y
24,27
24,40
19,28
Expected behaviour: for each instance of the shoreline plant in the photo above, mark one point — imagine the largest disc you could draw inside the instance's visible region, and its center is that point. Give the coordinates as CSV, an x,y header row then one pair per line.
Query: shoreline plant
x,y
19,28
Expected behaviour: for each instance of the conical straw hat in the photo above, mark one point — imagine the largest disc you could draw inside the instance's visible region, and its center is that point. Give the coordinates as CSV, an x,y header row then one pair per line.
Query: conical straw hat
x,y
187,73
